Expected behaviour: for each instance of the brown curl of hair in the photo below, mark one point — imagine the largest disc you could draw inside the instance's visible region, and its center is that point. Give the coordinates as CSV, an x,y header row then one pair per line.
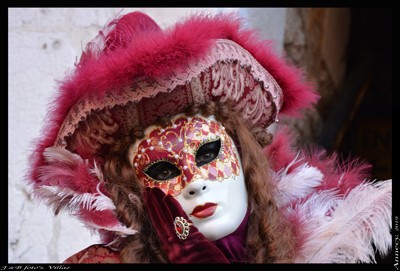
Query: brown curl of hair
x,y
269,236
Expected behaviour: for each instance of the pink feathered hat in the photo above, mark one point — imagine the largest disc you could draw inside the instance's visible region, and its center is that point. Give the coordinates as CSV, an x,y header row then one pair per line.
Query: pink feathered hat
x,y
132,73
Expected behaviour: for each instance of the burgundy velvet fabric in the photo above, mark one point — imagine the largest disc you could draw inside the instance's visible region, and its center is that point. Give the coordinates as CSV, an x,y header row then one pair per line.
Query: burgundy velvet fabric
x,y
196,248
234,245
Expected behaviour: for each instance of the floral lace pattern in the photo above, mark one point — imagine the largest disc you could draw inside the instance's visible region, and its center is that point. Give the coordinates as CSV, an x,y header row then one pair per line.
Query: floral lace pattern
x,y
228,71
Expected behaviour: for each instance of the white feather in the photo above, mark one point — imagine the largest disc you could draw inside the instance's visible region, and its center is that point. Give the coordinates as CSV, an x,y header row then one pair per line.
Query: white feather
x,y
59,154
316,206
96,171
97,202
119,229
296,185
352,224
89,201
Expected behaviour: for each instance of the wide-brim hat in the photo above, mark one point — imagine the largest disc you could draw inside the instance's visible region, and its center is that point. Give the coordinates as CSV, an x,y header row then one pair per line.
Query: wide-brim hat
x,y
134,72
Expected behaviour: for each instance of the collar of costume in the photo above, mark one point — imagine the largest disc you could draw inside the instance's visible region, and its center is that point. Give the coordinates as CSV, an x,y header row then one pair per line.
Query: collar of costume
x,y
233,245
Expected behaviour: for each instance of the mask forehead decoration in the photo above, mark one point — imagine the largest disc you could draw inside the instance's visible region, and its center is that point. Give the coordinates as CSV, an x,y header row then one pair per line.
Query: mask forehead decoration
x,y
181,147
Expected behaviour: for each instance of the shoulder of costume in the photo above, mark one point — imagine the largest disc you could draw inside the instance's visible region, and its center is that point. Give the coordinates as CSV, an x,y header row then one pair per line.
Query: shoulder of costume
x,y
96,253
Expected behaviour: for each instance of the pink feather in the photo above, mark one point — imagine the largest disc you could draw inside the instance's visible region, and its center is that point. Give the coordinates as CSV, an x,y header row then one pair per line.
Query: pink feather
x,y
64,173
281,152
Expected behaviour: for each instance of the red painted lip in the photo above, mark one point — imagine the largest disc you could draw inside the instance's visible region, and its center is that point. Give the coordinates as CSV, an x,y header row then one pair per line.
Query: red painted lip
x,y
203,211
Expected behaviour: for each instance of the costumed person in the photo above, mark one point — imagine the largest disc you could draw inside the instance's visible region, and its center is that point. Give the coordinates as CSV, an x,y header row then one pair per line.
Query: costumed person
x,y
159,141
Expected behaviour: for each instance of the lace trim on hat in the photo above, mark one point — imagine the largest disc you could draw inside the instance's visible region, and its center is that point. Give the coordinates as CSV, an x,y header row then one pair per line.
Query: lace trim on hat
x,y
224,50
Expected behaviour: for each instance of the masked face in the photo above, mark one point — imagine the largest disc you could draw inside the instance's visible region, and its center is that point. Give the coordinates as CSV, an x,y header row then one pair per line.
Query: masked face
x,y
195,161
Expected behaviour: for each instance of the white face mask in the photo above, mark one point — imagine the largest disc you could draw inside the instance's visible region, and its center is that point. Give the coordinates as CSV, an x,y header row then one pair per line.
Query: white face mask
x,y
195,161
221,219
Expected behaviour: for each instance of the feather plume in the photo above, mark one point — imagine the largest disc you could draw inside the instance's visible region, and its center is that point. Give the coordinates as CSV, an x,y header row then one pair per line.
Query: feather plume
x,y
61,179
61,155
77,202
119,229
74,200
298,184
68,170
97,172
69,182
343,229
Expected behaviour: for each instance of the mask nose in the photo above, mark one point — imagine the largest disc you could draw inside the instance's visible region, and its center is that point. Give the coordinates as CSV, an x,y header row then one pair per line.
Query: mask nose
x,y
195,189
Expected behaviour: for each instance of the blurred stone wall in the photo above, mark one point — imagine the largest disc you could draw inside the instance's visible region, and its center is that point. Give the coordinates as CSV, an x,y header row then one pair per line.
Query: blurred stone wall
x,y
316,39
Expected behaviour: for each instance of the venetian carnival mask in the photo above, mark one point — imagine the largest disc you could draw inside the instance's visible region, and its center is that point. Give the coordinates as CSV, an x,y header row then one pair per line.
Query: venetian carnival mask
x,y
196,161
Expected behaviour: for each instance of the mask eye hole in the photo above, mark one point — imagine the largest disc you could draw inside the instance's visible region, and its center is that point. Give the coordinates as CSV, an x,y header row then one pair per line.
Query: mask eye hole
x,y
208,152
162,171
